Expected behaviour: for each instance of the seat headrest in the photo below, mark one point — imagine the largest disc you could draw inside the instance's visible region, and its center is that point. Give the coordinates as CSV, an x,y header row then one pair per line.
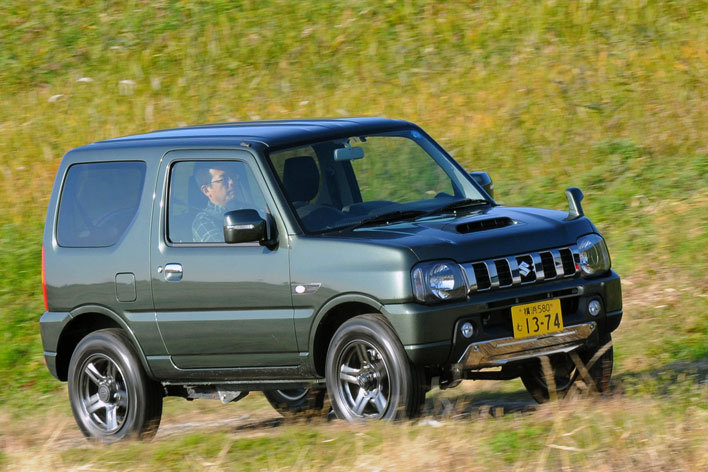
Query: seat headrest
x,y
195,196
301,178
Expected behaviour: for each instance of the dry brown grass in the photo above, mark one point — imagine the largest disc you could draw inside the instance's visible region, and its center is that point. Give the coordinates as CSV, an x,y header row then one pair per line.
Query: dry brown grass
x,y
602,434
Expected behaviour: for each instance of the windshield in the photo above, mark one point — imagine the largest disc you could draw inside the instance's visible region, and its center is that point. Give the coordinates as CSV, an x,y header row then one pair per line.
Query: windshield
x,y
375,179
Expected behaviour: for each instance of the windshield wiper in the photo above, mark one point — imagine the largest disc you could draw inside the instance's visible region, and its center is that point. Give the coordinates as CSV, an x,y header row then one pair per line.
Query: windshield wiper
x,y
389,217
459,204
402,215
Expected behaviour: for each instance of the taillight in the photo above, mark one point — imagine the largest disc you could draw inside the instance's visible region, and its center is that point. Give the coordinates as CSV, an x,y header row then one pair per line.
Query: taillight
x,y
44,283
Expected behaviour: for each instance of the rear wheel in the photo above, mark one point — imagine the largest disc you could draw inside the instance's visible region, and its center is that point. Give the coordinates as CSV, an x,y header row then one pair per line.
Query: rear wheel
x,y
111,396
369,375
297,401
592,366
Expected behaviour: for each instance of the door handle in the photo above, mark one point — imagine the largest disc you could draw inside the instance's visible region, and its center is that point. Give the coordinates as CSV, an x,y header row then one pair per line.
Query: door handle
x,y
173,272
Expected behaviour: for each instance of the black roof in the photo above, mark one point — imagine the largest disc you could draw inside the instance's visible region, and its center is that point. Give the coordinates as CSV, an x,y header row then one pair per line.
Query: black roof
x,y
275,133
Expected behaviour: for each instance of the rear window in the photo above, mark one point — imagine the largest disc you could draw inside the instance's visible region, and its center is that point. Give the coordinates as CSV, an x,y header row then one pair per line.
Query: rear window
x,y
98,203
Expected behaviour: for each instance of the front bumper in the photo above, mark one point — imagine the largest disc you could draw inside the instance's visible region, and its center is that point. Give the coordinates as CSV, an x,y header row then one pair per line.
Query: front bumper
x,y
432,335
498,352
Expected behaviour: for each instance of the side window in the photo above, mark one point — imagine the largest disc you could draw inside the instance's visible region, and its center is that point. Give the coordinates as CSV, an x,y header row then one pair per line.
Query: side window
x,y
98,203
200,192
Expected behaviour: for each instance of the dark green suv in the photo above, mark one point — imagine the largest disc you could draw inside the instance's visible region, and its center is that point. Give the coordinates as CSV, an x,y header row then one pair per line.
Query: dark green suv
x,y
352,257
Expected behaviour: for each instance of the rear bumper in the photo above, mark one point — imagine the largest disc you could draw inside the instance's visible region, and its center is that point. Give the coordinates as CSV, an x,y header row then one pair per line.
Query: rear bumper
x,y
51,325
50,358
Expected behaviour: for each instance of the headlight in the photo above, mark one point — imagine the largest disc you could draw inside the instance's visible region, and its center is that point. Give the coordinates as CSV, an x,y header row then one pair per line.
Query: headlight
x,y
438,281
594,257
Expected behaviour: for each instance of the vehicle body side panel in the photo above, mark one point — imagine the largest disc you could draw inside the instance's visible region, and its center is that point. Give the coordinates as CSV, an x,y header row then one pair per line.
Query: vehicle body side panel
x,y
92,278
232,308
347,270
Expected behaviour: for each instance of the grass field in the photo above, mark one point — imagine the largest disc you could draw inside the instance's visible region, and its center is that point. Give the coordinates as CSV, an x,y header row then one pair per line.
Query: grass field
x,y
608,96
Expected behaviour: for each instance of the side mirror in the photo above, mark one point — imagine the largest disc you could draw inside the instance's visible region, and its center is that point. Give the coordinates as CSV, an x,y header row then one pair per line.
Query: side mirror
x,y
243,226
483,179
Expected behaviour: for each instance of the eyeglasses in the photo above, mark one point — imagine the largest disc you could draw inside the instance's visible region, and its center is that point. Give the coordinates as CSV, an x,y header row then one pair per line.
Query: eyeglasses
x,y
224,178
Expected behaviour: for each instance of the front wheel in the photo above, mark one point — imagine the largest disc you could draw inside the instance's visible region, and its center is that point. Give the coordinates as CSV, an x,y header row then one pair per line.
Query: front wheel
x,y
592,366
369,375
111,396
297,401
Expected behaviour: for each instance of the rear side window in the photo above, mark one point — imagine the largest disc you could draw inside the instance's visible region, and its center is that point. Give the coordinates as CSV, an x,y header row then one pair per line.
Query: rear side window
x,y
98,203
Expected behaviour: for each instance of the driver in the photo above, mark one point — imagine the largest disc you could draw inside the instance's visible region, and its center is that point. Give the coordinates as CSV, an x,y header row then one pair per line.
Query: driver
x,y
216,180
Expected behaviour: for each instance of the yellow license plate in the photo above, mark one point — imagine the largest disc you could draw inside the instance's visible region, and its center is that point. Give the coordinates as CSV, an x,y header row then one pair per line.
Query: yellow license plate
x,y
534,319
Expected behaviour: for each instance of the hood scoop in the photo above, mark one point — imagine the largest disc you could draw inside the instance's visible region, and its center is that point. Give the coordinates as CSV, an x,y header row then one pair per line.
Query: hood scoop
x,y
483,225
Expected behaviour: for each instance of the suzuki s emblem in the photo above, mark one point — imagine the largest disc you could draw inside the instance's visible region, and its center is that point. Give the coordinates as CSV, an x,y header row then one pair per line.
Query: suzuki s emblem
x,y
525,268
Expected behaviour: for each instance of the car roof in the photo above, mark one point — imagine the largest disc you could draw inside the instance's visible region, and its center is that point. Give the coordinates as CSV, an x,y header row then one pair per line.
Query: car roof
x,y
275,133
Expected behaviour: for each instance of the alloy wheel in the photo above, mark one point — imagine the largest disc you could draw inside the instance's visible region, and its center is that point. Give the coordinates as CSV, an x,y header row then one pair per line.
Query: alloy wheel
x,y
364,380
103,393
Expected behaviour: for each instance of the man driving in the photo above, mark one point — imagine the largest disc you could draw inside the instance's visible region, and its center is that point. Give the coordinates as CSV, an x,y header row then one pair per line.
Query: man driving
x,y
218,182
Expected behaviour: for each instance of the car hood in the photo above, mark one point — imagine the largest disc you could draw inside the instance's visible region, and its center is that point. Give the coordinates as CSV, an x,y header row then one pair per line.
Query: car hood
x,y
492,232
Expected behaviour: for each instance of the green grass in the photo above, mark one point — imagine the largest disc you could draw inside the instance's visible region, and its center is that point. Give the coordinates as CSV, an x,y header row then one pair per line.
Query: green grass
x,y
515,442
195,450
21,354
607,96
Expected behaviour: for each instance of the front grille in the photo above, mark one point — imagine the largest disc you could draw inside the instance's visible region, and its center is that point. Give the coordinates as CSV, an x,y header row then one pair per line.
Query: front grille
x,y
481,276
503,272
521,269
549,267
569,260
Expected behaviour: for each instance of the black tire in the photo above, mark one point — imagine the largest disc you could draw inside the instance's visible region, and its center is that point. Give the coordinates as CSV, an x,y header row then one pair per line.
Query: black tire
x,y
369,375
111,396
566,372
298,401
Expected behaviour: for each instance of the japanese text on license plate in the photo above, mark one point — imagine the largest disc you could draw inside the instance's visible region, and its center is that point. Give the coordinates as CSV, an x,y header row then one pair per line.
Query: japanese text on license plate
x,y
534,319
